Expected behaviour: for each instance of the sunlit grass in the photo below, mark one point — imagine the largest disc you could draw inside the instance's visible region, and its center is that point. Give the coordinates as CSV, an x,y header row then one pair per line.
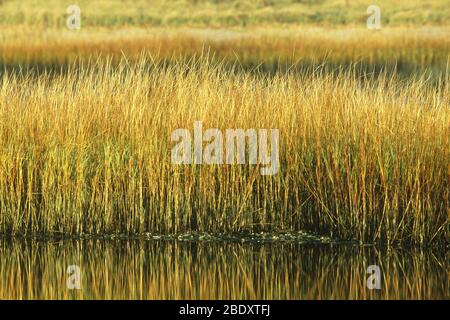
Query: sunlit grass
x,y
216,13
408,50
86,118
88,152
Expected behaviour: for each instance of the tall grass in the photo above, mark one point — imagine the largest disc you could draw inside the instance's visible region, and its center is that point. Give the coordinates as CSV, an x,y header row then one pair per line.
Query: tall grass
x,y
88,152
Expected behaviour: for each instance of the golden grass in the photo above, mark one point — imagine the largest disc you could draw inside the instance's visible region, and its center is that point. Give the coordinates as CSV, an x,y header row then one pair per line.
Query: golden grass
x,y
88,152
52,13
410,49
86,118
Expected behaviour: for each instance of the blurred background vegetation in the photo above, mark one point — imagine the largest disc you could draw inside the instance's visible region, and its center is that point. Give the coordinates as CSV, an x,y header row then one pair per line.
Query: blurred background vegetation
x,y
220,13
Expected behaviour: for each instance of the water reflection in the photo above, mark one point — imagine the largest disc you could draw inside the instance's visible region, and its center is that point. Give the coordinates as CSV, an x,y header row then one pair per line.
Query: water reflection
x,y
209,270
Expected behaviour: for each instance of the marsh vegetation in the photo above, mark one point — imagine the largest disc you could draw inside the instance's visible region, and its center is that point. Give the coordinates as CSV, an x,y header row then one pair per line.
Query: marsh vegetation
x,y
85,124
88,152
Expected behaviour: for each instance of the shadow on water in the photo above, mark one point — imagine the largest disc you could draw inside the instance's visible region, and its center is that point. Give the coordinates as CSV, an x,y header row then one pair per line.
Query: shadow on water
x,y
139,269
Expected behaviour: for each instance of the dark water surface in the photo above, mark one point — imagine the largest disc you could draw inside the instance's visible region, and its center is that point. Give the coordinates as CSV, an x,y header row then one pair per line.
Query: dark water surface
x,y
155,269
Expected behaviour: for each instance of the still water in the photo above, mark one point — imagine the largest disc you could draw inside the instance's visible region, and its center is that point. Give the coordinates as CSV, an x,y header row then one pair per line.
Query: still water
x,y
150,269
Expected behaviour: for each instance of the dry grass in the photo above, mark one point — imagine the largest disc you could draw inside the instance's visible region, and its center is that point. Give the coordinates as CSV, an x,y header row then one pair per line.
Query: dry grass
x,y
85,124
110,13
410,50
88,152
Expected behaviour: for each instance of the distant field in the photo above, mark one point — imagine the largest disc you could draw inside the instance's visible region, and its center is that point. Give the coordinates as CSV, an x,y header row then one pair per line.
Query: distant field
x,y
270,35
403,50
215,13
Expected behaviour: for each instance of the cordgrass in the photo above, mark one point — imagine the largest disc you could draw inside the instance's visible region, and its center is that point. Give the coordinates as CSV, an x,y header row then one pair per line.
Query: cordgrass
x,y
88,152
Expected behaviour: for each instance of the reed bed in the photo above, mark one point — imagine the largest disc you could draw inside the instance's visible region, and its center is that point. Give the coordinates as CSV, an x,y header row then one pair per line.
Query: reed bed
x,y
88,152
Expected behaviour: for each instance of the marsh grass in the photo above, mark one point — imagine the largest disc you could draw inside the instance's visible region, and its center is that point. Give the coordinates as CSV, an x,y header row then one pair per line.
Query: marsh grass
x,y
88,152
201,13
408,50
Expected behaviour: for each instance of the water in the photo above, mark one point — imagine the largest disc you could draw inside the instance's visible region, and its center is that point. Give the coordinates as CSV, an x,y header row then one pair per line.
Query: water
x,y
150,269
